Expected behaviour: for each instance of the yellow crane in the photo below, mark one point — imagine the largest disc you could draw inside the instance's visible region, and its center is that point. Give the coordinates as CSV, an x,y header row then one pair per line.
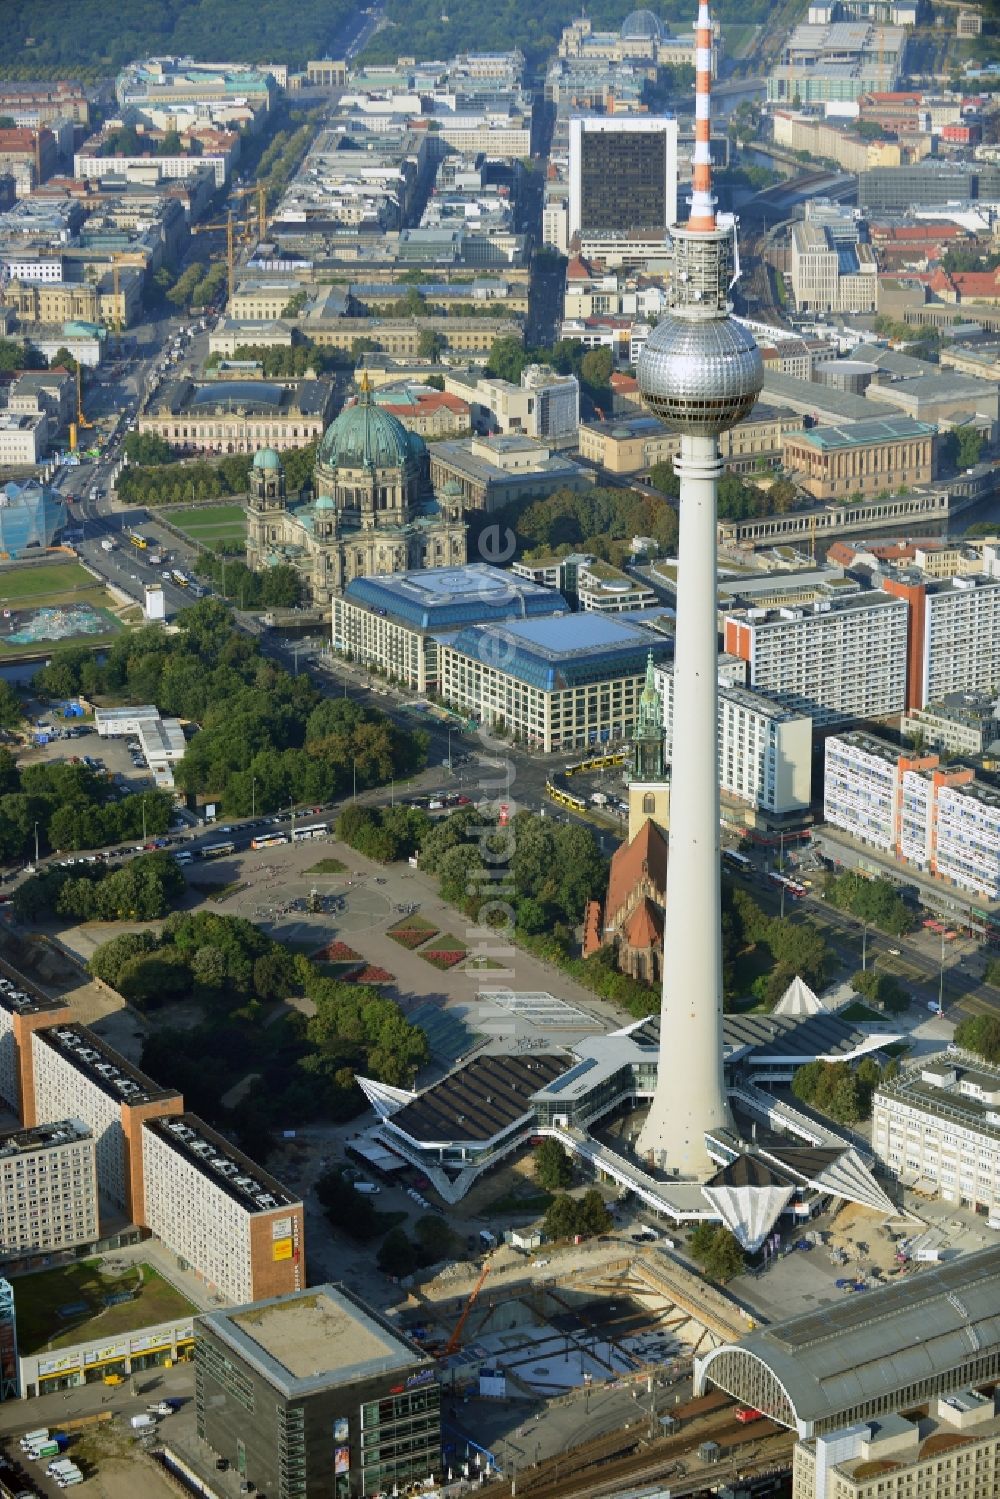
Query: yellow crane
x,y
81,420
229,228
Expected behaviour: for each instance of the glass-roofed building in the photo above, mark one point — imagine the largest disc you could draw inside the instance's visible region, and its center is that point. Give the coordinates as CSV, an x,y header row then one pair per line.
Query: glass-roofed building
x,y
31,516
238,416
393,622
566,682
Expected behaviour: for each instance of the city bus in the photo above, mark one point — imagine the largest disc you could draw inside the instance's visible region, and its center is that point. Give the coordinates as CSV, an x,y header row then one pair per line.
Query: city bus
x,y
312,830
218,850
738,860
179,578
137,539
268,840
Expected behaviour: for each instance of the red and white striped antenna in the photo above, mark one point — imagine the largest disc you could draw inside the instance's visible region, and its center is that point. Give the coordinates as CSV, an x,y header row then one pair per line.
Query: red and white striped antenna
x,y
702,217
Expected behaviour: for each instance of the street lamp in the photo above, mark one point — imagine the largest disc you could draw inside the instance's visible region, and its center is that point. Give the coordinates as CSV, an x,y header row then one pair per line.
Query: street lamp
x,y
864,946
354,778
36,842
449,749
253,797
941,979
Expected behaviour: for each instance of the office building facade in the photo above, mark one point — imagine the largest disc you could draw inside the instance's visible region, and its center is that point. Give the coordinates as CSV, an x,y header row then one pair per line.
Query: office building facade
x,y
393,623
839,660
569,682
936,1123
622,174
317,1396
48,1189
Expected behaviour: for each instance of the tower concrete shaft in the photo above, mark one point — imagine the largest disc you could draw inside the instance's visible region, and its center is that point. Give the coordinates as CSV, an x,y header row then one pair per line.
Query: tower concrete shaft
x,y
700,373
690,1096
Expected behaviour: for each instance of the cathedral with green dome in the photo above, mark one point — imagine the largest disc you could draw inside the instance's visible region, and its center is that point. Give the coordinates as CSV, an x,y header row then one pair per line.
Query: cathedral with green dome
x,y
371,509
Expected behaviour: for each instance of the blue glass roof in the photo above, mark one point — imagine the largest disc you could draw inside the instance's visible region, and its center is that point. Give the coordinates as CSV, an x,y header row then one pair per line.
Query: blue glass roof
x,y
563,651
443,598
242,392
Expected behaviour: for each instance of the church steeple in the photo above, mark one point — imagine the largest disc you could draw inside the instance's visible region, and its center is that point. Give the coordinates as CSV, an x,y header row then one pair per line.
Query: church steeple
x,y
649,736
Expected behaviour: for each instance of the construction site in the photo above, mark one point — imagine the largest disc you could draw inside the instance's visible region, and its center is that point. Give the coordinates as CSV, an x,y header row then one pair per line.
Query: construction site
x,y
578,1369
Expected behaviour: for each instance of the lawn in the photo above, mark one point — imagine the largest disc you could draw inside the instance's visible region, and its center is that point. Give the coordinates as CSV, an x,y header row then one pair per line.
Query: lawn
x,y
327,866
55,582
212,523
59,1308
857,1011
55,585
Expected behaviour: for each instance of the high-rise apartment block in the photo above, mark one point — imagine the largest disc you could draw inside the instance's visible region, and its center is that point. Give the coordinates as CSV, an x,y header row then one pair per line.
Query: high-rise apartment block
x,y
937,818
22,1011
953,642
837,660
239,1229
48,1189
76,1076
765,750
622,174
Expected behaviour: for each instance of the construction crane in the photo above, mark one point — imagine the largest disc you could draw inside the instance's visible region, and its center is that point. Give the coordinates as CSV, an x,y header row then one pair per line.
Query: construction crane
x,y
81,420
456,1337
229,228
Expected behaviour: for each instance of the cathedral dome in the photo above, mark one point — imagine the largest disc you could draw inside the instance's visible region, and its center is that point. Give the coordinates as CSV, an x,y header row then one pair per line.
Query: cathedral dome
x,y
267,458
366,436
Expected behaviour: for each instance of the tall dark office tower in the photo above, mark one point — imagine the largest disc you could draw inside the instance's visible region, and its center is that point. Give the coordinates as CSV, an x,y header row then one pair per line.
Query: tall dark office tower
x,y
622,174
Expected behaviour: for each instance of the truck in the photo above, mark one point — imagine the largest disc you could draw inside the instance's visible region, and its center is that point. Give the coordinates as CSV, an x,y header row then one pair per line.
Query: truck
x,y
44,1449
161,1408
155,559
32,1438
107,544
142,1423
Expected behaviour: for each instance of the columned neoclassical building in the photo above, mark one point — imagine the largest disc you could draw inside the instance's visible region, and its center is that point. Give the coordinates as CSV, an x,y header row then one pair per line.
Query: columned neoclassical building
x,y
371,510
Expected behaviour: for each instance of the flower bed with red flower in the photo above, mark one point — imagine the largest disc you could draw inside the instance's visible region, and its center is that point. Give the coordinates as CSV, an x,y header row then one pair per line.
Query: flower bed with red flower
x,y
411,937
371,974
337,952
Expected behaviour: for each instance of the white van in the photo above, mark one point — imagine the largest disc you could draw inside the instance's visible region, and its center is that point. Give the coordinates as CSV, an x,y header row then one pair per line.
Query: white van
x,y
32,1438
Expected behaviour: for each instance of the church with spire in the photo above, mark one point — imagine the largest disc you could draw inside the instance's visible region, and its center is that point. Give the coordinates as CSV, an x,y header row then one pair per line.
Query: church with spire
x,y
648,786
370,508
630,918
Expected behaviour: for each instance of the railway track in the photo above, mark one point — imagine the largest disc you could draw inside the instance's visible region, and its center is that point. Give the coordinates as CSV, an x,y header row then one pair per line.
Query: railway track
x,y
600,1467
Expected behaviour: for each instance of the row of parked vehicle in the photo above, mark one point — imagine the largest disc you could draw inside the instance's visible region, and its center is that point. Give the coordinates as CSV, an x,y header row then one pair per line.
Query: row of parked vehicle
x,y
41,1444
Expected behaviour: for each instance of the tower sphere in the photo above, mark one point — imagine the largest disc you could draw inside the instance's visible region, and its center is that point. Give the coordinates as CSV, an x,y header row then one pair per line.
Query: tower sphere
x,y
700,376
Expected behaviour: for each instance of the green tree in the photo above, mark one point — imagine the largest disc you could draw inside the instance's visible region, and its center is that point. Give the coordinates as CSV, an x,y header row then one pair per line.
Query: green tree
x,y
718,1252
594,1216
435,1240
396,1255
507,359
11,712
980,1034
147,447
562,1220
553,1167
596,368
431,344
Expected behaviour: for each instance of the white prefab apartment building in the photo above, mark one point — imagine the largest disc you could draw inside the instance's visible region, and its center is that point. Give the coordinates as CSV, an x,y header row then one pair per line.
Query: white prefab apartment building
x,y
48,1189
939,1122
76,1076
938,819
836,660
961,638
235,1225
765,750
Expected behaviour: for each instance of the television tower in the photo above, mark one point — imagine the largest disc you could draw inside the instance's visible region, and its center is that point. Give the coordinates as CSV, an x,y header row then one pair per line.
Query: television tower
x,y
700,373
